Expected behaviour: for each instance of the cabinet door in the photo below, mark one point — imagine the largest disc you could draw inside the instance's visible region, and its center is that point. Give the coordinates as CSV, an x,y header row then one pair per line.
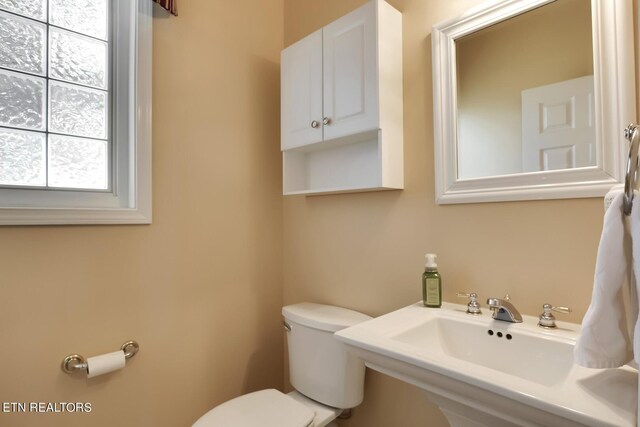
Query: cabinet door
x,y
350,81
301,86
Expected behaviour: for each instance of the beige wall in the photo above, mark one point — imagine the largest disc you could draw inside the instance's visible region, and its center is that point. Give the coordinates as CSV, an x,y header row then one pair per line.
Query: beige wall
x,y
200,288
365,251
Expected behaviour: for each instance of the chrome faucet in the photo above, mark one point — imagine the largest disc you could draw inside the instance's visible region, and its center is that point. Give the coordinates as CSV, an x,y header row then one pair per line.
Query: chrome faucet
x,y
504,310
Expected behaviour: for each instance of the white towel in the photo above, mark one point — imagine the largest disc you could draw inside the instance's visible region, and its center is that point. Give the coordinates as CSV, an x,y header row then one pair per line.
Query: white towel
x,y
605,341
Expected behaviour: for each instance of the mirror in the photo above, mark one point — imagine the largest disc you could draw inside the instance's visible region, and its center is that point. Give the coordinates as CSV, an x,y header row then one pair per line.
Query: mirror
x,y
533,69
530,100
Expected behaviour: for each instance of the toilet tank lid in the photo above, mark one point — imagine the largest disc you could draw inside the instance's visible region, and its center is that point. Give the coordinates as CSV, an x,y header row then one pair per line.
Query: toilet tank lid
x,y
323,317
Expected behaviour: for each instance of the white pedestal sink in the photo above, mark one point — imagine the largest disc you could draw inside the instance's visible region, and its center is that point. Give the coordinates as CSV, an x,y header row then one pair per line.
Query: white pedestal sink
x,y
483,372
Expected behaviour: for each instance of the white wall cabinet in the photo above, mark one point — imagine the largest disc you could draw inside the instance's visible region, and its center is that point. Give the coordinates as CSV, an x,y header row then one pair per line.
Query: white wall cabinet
x,y
342,105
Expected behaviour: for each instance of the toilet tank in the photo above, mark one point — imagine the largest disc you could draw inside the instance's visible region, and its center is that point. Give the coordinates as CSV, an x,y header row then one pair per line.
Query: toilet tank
x,y
319,365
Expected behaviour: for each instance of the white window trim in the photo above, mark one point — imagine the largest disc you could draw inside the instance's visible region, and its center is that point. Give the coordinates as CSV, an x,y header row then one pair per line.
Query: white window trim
x,y
129,201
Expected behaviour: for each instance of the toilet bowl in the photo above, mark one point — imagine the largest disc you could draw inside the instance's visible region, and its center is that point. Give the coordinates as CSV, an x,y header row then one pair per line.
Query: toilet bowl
x,y
326,377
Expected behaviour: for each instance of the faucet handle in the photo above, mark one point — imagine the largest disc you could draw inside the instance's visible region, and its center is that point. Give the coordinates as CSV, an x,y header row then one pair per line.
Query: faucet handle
x,y
473,307
547,319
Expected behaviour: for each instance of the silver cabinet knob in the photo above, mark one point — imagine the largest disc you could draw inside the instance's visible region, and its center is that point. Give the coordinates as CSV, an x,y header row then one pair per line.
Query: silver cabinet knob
x,y
315,124
326,121
547,319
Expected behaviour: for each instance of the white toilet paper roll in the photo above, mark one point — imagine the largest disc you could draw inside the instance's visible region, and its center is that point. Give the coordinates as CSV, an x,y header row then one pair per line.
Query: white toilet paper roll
x,y
105,363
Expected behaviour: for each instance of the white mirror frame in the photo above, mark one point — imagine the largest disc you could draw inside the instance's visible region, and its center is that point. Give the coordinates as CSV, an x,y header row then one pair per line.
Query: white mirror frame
x,y
613,54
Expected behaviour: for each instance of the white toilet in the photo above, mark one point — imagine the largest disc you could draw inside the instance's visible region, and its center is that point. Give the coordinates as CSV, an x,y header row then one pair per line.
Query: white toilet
x,y
326,377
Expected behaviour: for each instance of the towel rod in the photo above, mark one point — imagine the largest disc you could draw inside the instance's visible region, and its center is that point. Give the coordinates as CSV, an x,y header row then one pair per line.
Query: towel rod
x,y
632,134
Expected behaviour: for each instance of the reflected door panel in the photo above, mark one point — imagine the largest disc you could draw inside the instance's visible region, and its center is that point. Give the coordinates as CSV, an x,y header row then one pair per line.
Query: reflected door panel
x,y
558,126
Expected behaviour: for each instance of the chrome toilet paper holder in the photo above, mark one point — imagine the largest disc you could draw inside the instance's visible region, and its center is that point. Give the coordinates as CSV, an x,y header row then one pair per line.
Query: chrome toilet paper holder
x,y
76,362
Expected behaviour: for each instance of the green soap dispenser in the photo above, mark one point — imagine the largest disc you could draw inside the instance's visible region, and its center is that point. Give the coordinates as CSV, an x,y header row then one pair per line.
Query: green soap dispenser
x,y
431,283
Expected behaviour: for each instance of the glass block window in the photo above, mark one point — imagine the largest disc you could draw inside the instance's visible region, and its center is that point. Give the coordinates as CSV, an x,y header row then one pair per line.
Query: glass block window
x,y
55,94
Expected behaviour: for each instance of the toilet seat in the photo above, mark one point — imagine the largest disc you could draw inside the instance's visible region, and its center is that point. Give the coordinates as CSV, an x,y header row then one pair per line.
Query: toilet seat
x,y
266,408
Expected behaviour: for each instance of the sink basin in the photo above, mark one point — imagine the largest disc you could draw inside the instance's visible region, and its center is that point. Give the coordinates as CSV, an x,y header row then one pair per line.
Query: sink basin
x,y
483,372
545,362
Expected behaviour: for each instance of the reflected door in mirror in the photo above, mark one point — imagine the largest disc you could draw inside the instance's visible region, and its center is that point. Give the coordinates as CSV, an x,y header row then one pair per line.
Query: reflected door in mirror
x,y
558,129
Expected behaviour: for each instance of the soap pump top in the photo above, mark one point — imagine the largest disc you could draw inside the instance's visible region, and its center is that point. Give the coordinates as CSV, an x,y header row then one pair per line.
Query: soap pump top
x,y
431,262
